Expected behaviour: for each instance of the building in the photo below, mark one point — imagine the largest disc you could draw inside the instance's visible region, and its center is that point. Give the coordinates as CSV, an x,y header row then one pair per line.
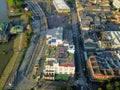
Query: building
x,y
71,49
100,35
49,71
90,41
111,39
54,37
85,22
105,40
16,29
95,1
117,16
66,68
61,6
116,3
5,32
54,67
97,20
104,65
62,51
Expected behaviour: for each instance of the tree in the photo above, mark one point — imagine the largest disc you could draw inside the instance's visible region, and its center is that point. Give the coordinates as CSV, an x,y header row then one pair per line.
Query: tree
x,y
116,84
109,86
68,88
117,88
111,2
119,9
18,3
26,17
99,88
57,88
70,2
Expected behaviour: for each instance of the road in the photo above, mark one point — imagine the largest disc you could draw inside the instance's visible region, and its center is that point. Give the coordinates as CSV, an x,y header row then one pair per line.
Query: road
x,y
79,57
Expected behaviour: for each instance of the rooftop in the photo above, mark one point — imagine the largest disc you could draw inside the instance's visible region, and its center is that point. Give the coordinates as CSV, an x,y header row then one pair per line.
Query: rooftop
x,y
61,4
107,60
16,29
56,32
105,63
67,65
62,52
105,39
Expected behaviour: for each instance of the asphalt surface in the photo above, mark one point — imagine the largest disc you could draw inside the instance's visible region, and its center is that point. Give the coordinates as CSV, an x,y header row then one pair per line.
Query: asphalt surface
x,y
79,57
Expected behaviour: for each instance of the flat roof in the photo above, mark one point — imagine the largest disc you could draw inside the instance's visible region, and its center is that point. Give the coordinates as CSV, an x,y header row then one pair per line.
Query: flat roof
x,y
91,40
107,60
62,52
60,4
114,36
56,32
106,63
112,27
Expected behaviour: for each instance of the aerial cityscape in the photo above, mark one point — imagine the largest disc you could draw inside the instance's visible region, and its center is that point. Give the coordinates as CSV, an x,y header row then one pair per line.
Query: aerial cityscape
x,y
60,45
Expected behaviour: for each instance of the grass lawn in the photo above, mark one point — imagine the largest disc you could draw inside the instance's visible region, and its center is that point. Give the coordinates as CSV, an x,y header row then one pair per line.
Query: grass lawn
x,y
4,58
11,2
61,77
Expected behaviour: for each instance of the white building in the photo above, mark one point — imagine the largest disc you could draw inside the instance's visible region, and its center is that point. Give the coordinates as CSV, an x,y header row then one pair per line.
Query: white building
x,y
53,67
85,22
49,71
65,68
95,1
71,49
54,37
61,6
85,27
116,3
114,38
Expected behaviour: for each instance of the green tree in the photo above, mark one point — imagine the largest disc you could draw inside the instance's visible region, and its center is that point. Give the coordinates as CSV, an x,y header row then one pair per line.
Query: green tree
x,y
57,88
99,88
117,88
119,9
111,2
109,86
18,3
69,88
116,84
26,17
70,2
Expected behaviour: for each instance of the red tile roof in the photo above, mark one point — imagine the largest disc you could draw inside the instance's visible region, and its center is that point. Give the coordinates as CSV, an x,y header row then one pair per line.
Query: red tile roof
x,y
67,65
